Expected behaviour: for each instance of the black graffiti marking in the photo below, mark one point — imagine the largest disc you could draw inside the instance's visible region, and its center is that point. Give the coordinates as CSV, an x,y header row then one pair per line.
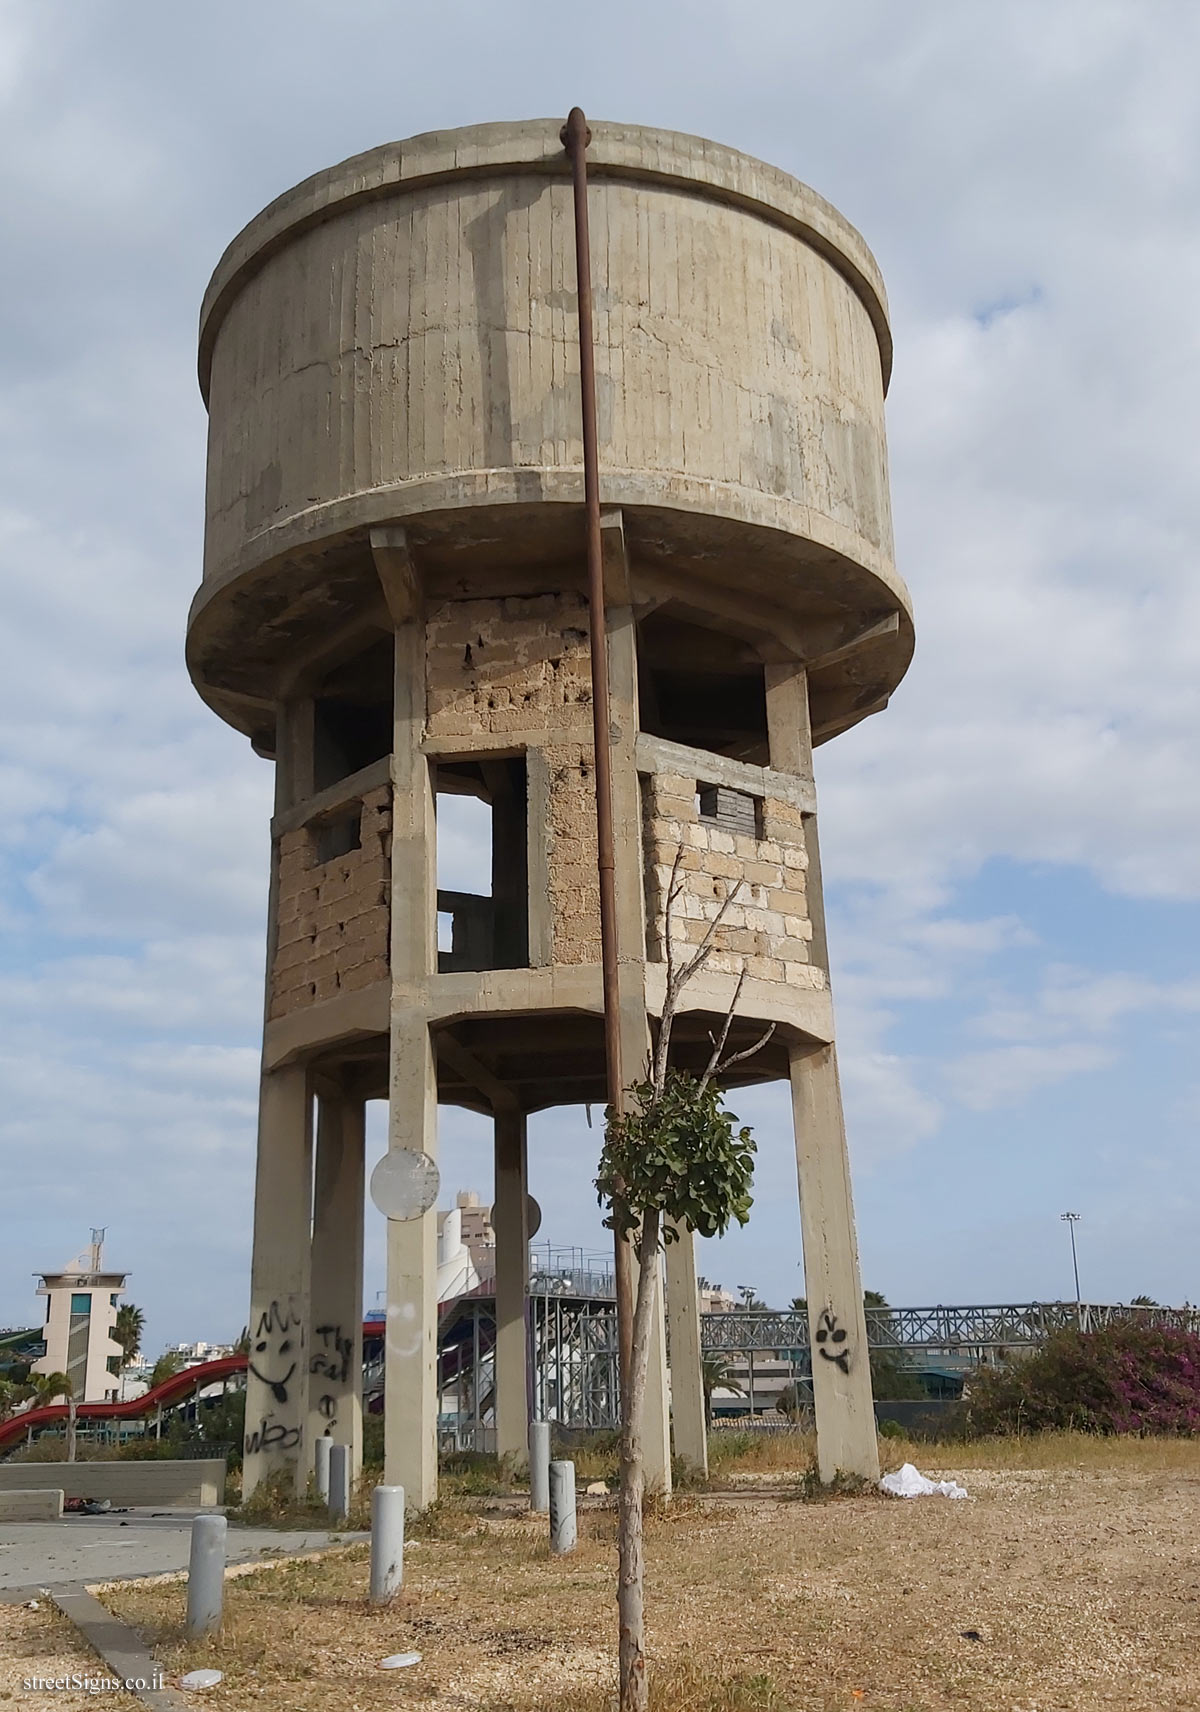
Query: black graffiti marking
x,y
327,1404
278,1386
830,1332
333,1358
277,1319
271,1435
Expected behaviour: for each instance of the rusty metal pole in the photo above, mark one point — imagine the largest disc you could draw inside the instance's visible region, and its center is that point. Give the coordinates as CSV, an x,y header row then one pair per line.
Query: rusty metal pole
x,y
576,137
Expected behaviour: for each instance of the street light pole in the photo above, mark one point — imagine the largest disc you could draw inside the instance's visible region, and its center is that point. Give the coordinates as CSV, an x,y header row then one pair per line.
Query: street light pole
x,y
1071,1220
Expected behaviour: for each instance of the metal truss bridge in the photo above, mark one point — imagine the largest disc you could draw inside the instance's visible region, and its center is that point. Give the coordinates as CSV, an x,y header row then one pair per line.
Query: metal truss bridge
x,y
972,1331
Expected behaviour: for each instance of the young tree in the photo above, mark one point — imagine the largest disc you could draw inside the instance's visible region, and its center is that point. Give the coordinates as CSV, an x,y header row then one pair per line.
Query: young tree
x,y
674,1159
128,1331
166,1367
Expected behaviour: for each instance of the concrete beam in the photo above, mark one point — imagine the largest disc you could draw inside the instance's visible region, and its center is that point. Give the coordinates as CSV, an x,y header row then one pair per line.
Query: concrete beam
x,y
500,1097
658,755
398,575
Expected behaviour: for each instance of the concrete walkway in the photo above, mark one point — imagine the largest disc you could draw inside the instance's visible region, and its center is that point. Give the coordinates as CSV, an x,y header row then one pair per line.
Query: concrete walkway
x,y
89,1549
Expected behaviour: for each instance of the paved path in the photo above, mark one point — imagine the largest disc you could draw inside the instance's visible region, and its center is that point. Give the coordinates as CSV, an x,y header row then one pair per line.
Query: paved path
x,y
89,1549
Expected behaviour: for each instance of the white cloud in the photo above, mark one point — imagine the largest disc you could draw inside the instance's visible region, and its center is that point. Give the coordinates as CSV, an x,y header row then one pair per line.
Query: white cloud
x,y
1008,1075
1030,180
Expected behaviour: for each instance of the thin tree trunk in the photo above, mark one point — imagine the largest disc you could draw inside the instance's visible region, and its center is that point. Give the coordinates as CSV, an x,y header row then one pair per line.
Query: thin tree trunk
x,y
631,1573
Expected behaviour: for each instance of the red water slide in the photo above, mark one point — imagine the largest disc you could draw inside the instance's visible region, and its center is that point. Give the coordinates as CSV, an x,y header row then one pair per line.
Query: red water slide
x,y
172,1390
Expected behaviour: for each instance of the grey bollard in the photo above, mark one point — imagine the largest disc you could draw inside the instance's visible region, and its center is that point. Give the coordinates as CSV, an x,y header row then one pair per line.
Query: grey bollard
x,y
323,1447
387,1542
339,1482
563,1532
539,1467
206,1576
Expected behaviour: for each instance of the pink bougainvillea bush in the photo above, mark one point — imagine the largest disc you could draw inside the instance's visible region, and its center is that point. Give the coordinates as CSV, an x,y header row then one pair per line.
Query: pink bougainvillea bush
x,y
1125,1379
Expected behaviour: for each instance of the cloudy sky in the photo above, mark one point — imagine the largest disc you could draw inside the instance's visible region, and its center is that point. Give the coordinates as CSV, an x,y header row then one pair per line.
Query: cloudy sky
x,y
1011,848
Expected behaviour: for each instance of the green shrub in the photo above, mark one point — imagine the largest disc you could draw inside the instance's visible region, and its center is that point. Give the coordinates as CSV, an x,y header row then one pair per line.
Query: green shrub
x,y
1124,1379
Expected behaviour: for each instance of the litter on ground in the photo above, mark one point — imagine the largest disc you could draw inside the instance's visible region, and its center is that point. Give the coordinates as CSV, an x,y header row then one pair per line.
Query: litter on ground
x,y
909,1482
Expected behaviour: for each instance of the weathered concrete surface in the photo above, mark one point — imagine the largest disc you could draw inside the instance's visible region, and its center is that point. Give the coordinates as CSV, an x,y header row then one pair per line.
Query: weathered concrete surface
x,y
38,1504
187,1483
432,379
93,1549
280,1322
335,1368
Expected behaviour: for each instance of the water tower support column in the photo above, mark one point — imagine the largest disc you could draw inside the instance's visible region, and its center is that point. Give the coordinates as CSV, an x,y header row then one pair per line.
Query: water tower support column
x,y
510,1218
629,885
335,1344
277,1373
841,1372
687,1387
410,1372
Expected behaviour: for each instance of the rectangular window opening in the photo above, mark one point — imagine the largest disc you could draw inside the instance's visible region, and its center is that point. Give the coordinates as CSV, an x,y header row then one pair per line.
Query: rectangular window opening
x,y
733,811
482,864
352,715
701,688
338,836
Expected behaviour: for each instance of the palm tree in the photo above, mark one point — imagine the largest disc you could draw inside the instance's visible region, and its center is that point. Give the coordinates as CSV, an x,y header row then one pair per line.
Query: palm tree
x,y
44,1388
131,1323
715,1375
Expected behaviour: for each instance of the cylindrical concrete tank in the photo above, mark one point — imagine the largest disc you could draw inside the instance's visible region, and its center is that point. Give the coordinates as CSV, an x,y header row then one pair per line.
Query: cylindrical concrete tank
x,y
395,340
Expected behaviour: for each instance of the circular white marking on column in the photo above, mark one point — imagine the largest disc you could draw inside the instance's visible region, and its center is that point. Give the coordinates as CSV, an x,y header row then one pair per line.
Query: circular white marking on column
x,y
405,1184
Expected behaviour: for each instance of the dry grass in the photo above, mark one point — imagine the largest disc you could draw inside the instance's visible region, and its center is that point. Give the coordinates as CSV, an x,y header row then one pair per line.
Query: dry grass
x,y
43,1643
1081,1582
784,1455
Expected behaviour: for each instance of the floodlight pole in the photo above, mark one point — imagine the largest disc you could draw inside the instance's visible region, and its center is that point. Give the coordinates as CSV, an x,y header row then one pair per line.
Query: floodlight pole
x,y
1071,1220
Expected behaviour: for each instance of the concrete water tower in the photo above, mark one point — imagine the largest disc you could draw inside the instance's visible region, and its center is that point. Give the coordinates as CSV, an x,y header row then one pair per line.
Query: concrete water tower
x,y
393,610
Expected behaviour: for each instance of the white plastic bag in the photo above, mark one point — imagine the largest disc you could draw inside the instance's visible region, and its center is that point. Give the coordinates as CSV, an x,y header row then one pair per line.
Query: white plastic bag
x,y
909,1482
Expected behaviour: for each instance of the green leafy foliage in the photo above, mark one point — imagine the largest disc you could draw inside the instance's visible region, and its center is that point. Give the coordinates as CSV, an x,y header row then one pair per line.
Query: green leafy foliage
x,y
166,1367
893,1379
679,1154
1124,1379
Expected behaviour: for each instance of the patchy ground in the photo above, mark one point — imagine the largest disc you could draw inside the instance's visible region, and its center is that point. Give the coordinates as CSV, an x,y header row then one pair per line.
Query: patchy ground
x,y
1071,1587
44,1644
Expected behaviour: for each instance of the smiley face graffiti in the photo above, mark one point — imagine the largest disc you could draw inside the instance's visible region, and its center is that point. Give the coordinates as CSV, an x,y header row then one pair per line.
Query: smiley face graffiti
x,y
273,1340
830,1333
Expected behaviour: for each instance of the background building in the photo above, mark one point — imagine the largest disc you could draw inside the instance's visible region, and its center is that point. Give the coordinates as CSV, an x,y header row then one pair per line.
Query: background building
x,y
81,1312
